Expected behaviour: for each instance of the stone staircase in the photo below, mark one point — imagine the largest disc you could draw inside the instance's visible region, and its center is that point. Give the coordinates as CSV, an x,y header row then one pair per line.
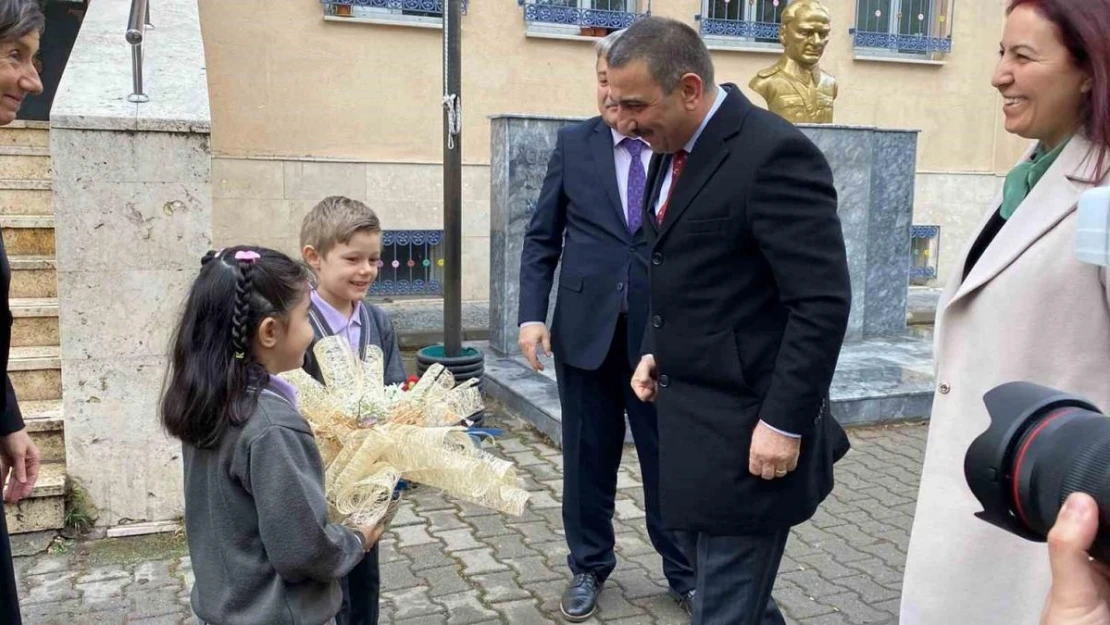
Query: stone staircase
x,y
27,223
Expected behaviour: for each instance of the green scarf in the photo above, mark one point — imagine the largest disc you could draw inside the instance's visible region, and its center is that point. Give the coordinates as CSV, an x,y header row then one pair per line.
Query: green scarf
x,y
1021,179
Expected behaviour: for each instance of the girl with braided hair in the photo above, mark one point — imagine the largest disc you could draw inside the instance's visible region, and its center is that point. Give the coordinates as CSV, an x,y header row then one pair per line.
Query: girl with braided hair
x,y
255,515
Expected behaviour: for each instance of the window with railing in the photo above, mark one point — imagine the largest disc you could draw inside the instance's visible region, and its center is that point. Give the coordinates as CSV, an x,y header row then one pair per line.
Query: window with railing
x,y
924,250
411,264
413,12
754,21
589,18
912,28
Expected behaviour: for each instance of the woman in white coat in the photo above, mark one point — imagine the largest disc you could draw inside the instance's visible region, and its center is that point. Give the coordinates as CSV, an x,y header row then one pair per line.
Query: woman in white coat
x,y
1019,307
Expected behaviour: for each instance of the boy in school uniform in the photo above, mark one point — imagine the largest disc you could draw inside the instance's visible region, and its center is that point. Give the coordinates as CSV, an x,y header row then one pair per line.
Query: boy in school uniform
x,y
341,240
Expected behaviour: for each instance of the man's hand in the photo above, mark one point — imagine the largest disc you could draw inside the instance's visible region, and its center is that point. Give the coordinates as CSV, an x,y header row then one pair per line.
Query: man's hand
x,y
19,465
1080,592
643,379
773,455
530,338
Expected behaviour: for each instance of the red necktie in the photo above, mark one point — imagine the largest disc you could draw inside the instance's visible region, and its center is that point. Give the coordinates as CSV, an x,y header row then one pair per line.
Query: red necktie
x,y
678,163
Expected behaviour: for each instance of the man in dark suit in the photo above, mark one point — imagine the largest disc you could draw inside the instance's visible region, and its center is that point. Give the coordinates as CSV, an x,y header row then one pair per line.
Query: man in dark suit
x,y
589,214
749,306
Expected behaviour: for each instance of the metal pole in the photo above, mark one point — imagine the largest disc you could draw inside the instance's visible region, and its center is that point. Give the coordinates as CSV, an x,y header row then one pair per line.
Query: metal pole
x,y
137,75
452,180
139,16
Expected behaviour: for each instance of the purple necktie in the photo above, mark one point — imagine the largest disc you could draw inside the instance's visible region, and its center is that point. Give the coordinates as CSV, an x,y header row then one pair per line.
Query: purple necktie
x,y
637,179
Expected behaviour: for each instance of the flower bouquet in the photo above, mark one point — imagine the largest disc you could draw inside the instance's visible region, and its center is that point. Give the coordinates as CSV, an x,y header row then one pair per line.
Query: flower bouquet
x,y
371,435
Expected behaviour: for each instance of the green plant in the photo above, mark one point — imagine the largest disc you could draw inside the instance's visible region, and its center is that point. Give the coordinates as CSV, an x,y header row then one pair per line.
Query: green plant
x,y
80,514
60,546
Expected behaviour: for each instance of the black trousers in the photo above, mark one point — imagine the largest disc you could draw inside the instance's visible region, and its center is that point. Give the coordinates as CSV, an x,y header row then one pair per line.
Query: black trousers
x,y
9,598
594,405
735,577
361,590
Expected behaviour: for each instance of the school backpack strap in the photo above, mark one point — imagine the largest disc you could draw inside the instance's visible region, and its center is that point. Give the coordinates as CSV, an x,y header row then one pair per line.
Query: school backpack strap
x,y
320,326
367,323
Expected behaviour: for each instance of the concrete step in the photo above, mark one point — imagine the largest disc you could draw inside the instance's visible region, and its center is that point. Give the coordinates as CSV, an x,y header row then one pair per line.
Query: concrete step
x,y
28,235
36,372
921,304
47,427
45,509
35,322
24,163
33,276
25,133
26,197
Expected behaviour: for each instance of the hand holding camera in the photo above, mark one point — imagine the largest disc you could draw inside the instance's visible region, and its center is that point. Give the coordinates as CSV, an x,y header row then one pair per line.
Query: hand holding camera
x,y
1080,592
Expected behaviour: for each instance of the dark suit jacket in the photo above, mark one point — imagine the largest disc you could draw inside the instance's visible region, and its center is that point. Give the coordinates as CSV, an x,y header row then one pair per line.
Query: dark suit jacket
x,y
749,306
580,218
10,418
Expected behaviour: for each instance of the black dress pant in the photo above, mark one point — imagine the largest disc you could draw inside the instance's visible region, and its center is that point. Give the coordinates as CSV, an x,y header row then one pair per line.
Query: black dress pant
x,y
594,405
735,577
361,590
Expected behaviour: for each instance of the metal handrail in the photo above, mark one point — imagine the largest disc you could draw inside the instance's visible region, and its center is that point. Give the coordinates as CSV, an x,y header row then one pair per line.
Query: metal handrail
x,y
136,28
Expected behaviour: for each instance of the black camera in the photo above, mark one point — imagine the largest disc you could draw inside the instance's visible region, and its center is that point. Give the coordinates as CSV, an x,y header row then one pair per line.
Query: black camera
x,y
1041,446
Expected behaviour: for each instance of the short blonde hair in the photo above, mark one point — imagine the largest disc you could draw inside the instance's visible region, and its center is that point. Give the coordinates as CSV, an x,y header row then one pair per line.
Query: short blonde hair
x,y
334,221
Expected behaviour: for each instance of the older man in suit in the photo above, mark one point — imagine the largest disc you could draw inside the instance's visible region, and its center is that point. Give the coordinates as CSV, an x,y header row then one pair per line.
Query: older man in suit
x,y
749,306
589,213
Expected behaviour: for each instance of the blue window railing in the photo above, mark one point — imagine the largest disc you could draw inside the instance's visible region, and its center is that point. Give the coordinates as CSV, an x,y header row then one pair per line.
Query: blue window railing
x,y
738,28
905,44
411,264
606,14
416,8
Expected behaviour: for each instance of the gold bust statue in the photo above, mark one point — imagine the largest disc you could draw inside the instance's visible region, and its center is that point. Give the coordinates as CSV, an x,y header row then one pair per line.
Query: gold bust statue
x,y
795,87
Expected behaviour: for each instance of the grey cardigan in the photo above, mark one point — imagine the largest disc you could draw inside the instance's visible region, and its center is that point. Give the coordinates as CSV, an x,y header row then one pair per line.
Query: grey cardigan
x,y
256,519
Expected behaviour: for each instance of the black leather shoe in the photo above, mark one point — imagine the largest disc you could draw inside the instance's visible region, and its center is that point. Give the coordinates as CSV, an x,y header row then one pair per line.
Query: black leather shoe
x,y
685,600
580,599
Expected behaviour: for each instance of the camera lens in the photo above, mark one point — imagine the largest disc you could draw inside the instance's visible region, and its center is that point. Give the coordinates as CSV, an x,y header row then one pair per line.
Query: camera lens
x,y
1042,445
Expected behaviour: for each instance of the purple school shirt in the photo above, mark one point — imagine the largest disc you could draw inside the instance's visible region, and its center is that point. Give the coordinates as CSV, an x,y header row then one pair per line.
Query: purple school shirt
x,y
283,388
342,326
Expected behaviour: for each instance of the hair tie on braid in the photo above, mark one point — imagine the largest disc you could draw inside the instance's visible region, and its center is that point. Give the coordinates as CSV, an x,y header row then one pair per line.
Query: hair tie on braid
x,y
212,254
240,320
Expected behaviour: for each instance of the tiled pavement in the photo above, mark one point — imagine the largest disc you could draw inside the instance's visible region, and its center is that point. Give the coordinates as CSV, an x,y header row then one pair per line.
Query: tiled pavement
x,y
454,564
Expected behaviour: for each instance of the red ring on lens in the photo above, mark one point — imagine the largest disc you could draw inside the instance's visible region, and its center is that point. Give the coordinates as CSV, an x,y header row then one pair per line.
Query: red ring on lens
x,y
1052,416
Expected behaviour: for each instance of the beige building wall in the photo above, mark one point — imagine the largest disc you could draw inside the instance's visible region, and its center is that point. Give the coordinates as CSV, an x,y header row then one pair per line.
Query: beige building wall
x,y
303,107
262,202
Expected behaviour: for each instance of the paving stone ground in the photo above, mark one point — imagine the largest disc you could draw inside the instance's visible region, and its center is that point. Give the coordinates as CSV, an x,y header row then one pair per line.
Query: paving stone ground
x,y
446,563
